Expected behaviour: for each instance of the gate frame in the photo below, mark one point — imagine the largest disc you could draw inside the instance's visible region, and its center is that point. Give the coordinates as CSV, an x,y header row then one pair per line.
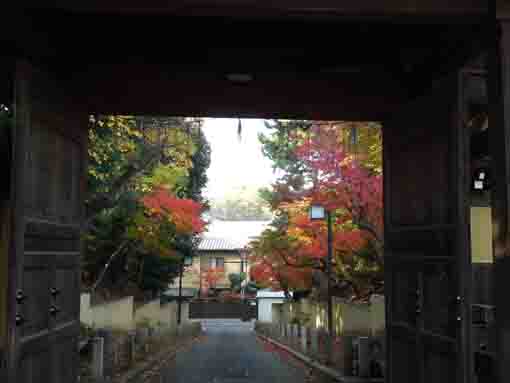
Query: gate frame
x,y
499,142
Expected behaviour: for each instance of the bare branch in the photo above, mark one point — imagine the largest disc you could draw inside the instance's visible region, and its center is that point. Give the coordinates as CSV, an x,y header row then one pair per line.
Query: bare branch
x,y
108,201
119,250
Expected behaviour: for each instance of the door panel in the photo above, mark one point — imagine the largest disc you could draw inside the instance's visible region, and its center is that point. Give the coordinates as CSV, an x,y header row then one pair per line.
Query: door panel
x,y
426,254
66,360
405,282
35,363
440,363
37,276
440,289
66,284
404,345
49,194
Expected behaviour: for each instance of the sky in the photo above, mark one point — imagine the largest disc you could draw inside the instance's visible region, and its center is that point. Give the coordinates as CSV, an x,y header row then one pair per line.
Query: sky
x,y
236,163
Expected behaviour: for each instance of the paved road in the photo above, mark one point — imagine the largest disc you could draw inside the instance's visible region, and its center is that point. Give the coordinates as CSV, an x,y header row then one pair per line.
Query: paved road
x,y
231,353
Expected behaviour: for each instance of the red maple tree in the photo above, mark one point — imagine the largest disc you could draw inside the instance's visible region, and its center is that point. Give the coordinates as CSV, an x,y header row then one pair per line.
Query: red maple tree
x,y
353,193
184,213
210,278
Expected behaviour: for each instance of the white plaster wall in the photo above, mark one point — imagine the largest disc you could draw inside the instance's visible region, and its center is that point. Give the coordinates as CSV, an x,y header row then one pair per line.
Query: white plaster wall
x,y
265,308
276,313
115,315
378,315
150,312
349,318
85,310
121,314
168,315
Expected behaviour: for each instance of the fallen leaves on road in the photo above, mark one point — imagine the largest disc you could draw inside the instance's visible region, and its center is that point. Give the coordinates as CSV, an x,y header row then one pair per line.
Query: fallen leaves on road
x,y
311,375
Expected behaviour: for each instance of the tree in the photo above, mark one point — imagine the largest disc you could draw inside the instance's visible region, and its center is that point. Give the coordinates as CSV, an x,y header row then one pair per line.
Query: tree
x,y
275,262
134,154
138,164
210,278
347,180
162,229
236,281
343,183
201,160
279,146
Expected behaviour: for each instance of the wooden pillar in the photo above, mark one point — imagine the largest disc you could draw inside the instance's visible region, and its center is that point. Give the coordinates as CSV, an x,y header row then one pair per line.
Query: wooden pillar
x,y
5,195
499,88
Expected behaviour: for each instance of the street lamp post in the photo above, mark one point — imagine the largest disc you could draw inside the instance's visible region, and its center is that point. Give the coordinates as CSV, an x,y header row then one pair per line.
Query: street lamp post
x,y
186,261
179,299
330,260
318,212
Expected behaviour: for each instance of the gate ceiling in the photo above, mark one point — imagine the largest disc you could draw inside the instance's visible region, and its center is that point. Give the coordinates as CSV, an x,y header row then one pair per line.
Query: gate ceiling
x,y
349,65
275,8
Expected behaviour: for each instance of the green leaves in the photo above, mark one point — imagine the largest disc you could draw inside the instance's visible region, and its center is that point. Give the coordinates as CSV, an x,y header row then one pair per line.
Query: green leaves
x,y
130,157
236,280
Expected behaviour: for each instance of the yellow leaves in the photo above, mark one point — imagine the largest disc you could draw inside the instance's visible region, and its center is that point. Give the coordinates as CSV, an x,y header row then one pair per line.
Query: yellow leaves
x,y
296,207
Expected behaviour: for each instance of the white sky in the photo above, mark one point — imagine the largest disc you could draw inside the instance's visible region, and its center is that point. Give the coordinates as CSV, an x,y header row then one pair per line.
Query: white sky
x,y
235,163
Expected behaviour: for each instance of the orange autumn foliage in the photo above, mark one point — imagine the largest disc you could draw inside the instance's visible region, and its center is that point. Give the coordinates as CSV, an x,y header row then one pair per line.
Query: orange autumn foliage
x,y
185,214
285,258
210,277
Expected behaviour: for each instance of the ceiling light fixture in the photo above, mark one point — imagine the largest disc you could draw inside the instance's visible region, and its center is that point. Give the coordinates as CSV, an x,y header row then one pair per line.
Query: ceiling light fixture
x,y
240,78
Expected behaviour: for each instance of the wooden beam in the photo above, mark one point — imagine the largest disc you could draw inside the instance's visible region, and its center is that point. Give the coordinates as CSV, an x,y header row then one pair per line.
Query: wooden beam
x,y
499,87
503,9
149,90
266,8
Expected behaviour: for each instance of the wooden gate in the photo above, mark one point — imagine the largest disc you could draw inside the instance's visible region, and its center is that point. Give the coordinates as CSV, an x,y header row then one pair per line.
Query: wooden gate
x,y
223,310
427,253
50,151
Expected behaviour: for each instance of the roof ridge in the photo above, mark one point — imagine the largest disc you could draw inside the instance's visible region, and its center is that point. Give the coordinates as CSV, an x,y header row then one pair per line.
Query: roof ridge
x,y
209,243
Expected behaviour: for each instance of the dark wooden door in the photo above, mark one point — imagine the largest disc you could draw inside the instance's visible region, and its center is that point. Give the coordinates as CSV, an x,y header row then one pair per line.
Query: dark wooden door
x,y
50,148
427,254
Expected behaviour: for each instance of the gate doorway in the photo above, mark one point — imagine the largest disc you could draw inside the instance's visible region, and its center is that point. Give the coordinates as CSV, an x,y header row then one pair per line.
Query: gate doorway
x,y
426,220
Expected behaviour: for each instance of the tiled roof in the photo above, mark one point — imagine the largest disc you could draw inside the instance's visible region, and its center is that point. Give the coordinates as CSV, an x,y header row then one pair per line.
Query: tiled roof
x,y
271,294
239,232
217,244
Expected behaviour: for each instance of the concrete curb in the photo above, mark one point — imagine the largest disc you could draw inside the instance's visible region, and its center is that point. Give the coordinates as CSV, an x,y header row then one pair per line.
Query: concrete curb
x,y
315,365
